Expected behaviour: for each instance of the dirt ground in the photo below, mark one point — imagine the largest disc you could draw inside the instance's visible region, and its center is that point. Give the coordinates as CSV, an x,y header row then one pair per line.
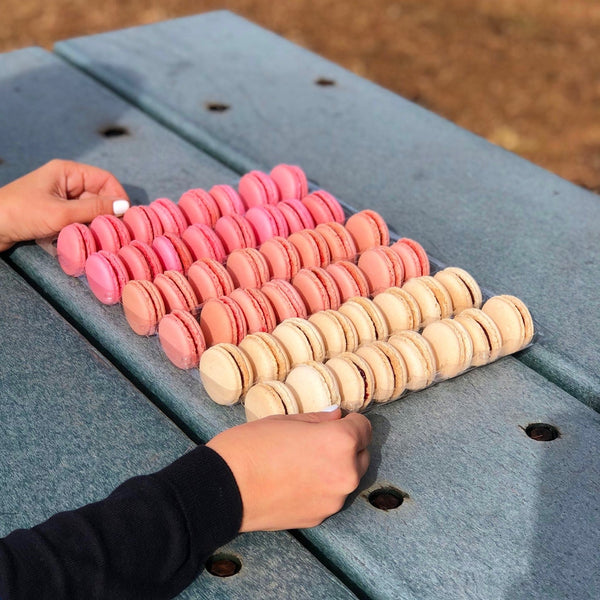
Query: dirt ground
x,y
525,74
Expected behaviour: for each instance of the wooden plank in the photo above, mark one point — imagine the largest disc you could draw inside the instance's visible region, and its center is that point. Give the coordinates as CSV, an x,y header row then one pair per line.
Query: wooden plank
x,y
517,228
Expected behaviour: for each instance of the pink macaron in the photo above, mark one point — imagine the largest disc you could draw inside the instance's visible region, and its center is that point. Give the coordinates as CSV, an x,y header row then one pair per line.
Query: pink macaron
x,y
227,199
285,299
74,245
400,246
291,181
209,279
312,248
349,278
382,268
248,268
140,261
143,306
143,223
368,228
324,207
267,221
317,288
298,217
172,252
235,232
181,339
340,242
222,320
199,206
106,275
282,257
109,233
203,242
257,188
176,291
170,215
257,309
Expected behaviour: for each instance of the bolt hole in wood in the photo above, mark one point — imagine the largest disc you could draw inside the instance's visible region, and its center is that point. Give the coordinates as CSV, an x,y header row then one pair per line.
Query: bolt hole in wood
x,y
223,565
218,107
542,432
386,498
325,82
114,131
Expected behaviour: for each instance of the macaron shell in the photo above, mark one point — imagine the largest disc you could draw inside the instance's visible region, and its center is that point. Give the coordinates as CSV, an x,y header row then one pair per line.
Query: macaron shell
x,y
312,248
176,291
203,242
298,217
168,254
199,206
181,221
109,233
181,339
268,358
267,221
313,386
136,264
257,188
142,223
355,380
227,199
75,243
410,259
317,289
349,278
324,207
301,340
383,372
368,229
451,345
269,398
222,321
248,268
432,297
209,279
257,308
418,357
106,275
282,258
340,242
143,306
337,330
226,373
150,256
463,289
485,335
512,319
399,309
235,232
420,251
167,220
285,299
291,181
382,268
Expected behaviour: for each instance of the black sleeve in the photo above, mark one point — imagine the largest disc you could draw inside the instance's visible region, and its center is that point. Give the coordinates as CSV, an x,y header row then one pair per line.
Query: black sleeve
x,y
148,539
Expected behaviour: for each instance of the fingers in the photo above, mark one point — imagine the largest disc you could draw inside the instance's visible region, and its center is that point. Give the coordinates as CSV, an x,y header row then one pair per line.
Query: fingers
x,y
314,417
360,428
79,179
363,458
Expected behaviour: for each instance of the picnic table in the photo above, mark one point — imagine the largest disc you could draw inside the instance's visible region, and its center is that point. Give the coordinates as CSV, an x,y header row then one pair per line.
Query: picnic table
x,y
486,510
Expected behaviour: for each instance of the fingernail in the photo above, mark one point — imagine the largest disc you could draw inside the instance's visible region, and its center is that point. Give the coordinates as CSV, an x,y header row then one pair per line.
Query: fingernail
x,y
119,207
330,408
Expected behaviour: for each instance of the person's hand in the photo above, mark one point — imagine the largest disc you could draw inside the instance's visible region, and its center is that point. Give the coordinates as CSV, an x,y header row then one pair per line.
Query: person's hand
x,y
294,471
44,201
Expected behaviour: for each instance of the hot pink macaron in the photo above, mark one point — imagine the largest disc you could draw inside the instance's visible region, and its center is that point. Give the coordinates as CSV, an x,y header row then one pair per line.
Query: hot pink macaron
x,y
176,291
222,320
282,257
140,261
143,223
209,279
285,299
257,309
324,207
317,288
181,339
291,181
350,279
106,276
170,215
312,248
235,232
199,206
172,252
368,228
400,247
267,221
382,268
74,245
227,199
109,233
203,242
257,188
298,217
248,268
340,242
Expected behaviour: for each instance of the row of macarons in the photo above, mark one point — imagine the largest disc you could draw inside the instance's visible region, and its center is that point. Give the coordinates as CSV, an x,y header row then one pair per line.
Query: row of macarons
x,y
290,370
227,223
185,333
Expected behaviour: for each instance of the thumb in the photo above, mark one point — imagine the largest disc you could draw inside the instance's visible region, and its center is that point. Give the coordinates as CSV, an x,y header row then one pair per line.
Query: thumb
x,y
89,206
315,417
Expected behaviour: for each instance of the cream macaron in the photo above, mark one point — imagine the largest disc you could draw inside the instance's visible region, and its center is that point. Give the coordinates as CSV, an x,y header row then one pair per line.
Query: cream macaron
x,y
418,356
269,398
462,287
486,337
400,309
367,318
452,347
432,297
355,380
337,330
267,356
301,340
314,386
513,320
389,370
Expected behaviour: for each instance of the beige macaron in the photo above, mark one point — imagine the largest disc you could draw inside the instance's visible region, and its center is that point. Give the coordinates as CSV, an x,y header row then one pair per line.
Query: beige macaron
x,y
462,287
367,318
314,387
269,398
301,340
513,320
399,308
432,297
389,370
337,330
452,347
355,380
486,337
226,373
418,356
268,357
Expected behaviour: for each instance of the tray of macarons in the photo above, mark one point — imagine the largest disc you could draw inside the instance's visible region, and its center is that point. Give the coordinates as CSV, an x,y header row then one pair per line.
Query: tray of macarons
x,y
288,301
